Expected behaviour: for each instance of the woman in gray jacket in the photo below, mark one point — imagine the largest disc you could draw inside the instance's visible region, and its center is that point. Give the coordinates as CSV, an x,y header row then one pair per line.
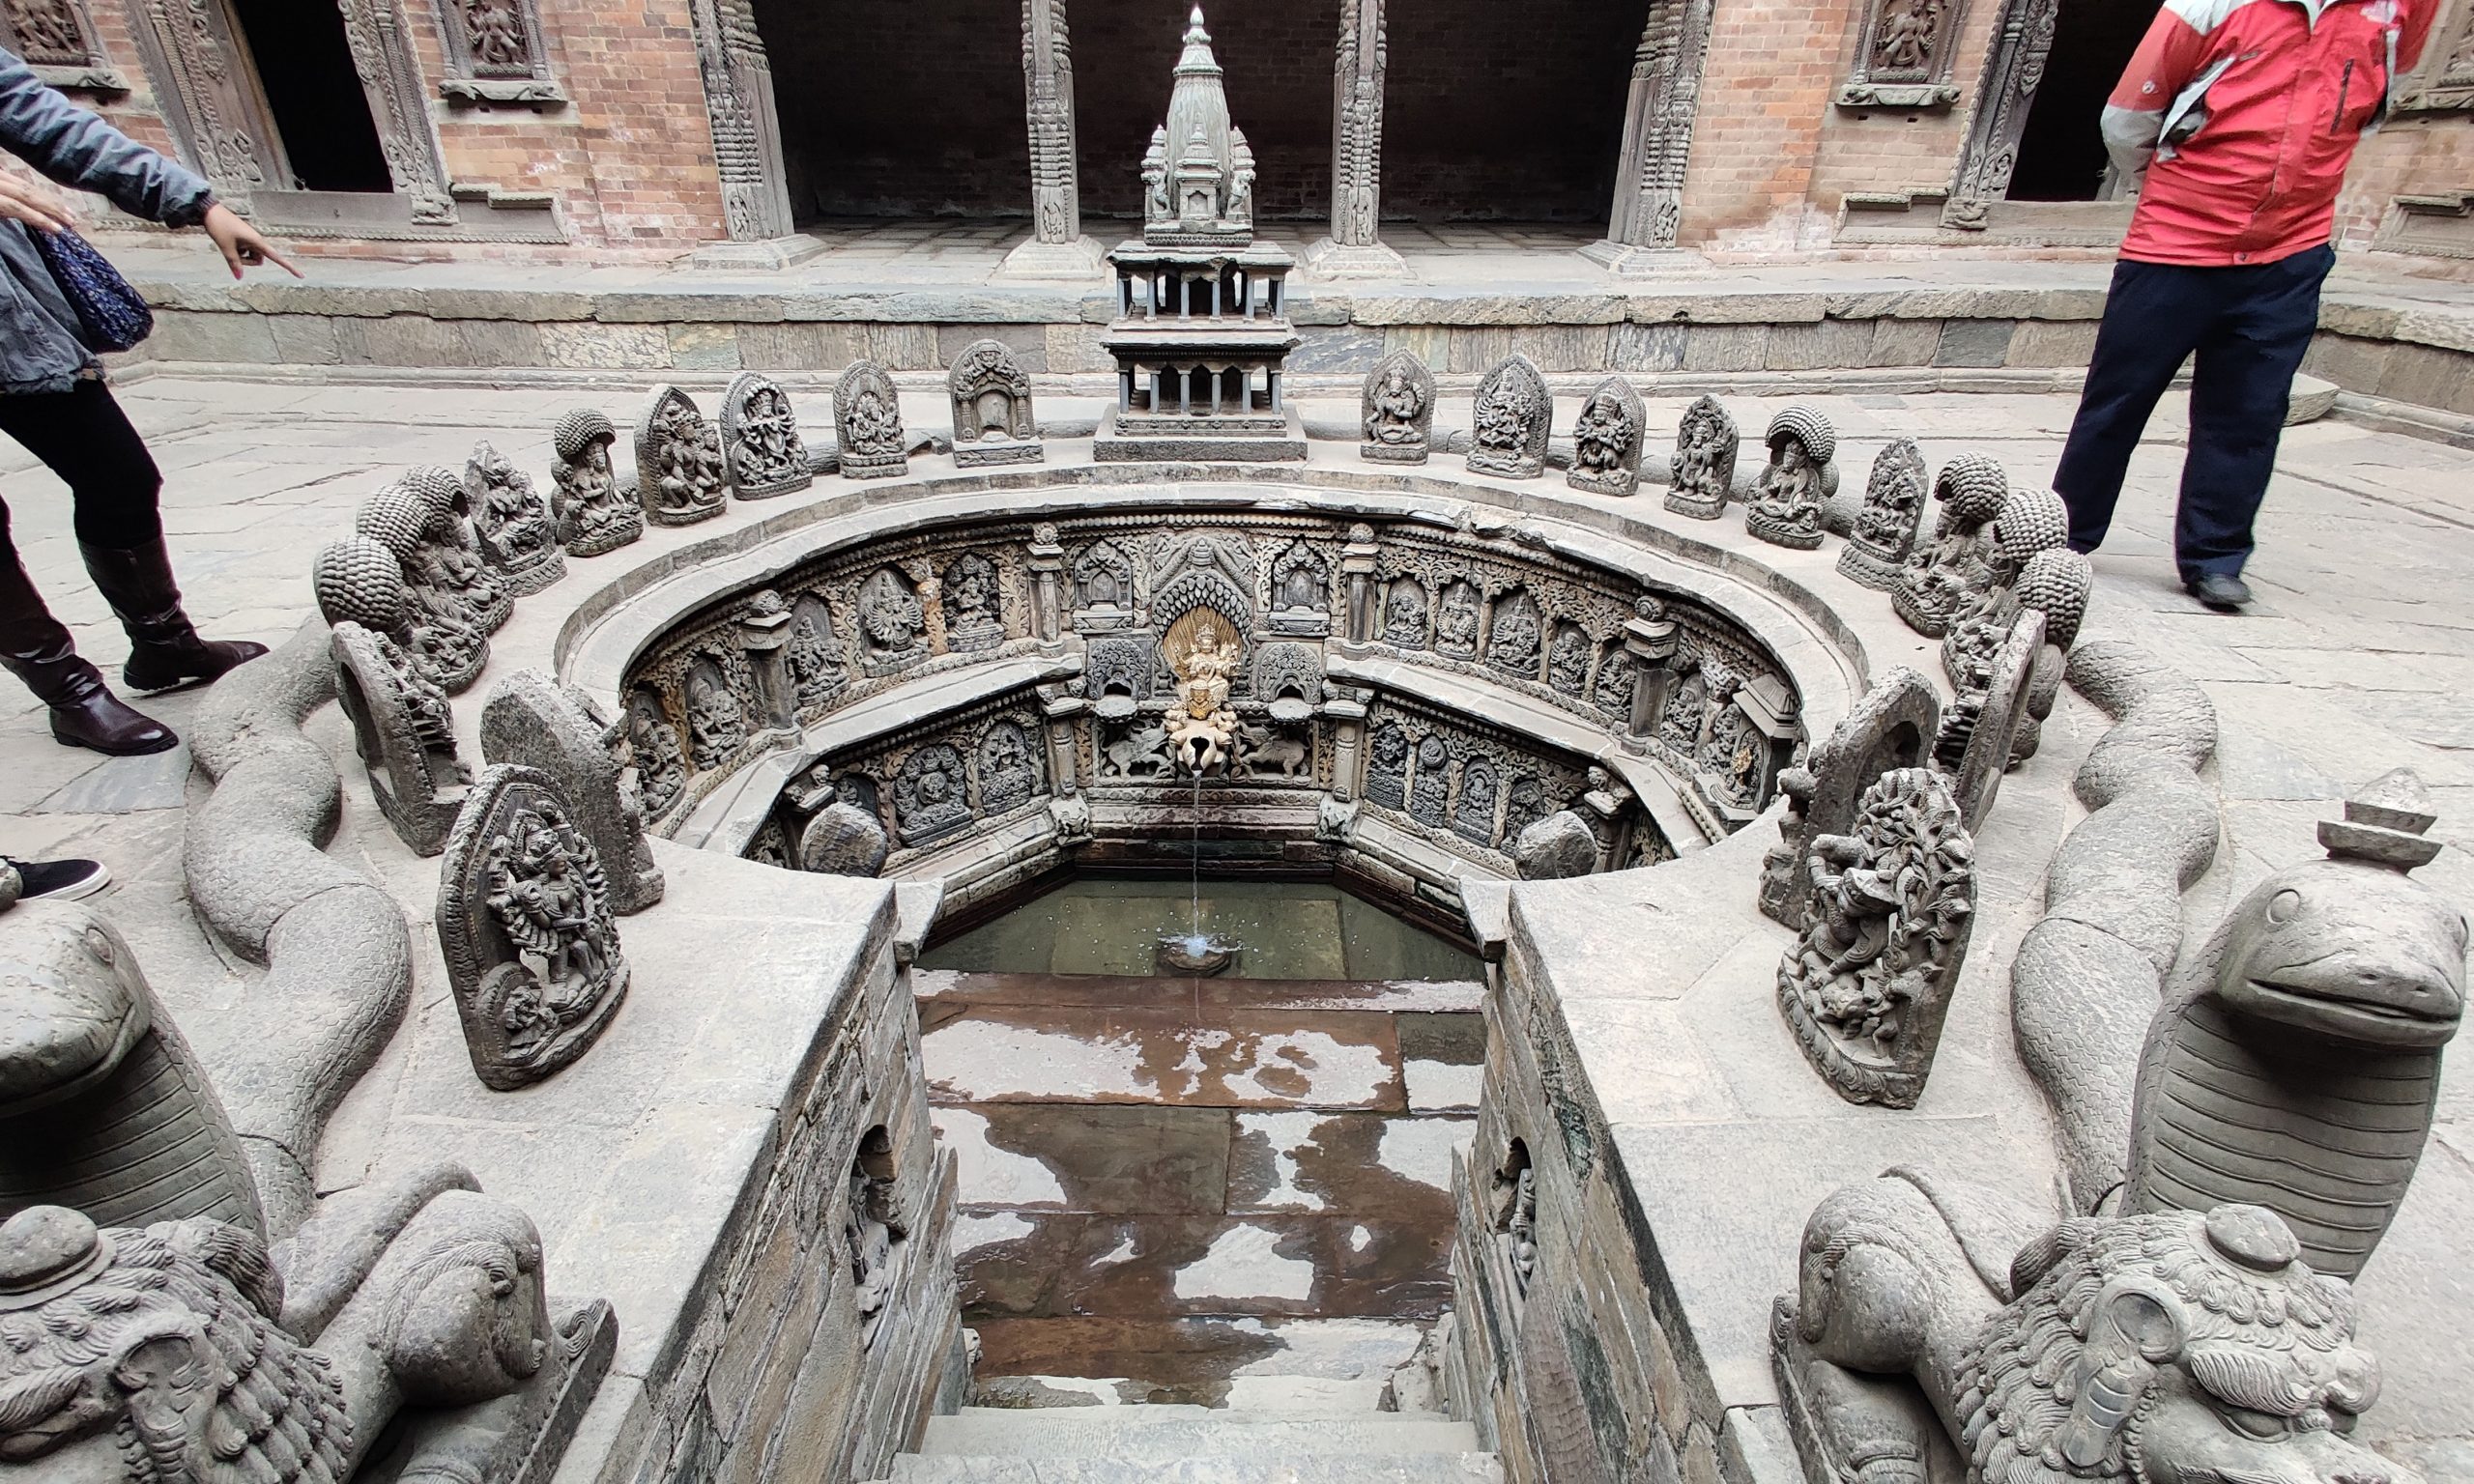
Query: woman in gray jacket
x,y
53,400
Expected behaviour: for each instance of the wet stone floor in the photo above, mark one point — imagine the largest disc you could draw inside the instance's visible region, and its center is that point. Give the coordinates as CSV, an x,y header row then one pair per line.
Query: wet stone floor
x,y
1171,1184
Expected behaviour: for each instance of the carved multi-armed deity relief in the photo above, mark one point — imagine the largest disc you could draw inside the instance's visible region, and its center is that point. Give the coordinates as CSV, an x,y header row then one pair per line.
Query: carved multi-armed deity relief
x,y
1396,409
1884,926
1883,535
682,475
1514,412
526,924
1606,440
1703,472
867,418
760,439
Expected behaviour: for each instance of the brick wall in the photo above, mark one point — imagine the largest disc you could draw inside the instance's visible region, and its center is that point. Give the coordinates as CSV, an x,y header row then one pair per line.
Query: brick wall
x,y
1765,101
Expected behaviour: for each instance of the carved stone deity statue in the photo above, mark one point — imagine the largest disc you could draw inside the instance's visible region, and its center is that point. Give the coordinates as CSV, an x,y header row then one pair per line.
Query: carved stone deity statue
x,y
180,1350
533,721
1785,506
1512,413
814,656
652,739
893,624
681,475
1606,441
593,515
971,605
1397,411
1706,442
1201,726
2295,1059
761,436
716,721
360,580
1883,536
405,733
1892,725
992,400
519,539
867,417
1885,930
524,921
2151,1349
1948,574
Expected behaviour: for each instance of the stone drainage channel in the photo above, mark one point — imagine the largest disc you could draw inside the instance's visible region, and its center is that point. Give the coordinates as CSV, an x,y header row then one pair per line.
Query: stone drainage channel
x,y
1230,1192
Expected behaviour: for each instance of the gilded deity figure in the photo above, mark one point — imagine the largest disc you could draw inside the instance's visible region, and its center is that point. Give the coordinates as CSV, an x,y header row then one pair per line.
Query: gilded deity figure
x,y
1202,725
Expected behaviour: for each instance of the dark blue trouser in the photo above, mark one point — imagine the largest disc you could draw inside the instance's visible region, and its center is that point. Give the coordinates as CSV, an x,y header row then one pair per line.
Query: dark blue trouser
x,y
2248,328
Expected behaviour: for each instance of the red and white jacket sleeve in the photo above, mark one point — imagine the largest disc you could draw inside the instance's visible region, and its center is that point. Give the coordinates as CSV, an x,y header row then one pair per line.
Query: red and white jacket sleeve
x,y
2169,57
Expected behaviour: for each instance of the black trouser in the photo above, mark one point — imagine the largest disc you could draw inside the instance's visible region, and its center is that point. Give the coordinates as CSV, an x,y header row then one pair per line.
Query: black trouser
x,y
2248,328
85,438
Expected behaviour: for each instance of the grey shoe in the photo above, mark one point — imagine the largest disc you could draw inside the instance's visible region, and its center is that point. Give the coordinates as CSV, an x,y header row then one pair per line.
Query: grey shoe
x,y
2223,594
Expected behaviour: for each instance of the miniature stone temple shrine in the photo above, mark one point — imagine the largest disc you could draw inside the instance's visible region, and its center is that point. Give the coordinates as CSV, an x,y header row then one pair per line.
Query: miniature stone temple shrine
x,y
1201,330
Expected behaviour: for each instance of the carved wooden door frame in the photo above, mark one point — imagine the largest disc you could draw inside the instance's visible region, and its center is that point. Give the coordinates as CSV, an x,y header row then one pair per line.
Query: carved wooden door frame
x,y
208,80
2014,67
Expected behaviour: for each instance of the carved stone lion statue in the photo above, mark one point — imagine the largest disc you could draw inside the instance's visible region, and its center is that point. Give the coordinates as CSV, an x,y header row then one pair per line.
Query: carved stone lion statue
x,y
185,1353
2172,1348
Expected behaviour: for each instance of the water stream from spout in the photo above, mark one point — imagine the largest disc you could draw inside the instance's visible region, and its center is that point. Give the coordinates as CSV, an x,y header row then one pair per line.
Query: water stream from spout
x,y
1197,858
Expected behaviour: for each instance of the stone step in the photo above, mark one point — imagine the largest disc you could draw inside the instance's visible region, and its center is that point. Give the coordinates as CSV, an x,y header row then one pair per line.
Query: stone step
x,y
1193,1359
1228,1468
1160,1434
1294,1395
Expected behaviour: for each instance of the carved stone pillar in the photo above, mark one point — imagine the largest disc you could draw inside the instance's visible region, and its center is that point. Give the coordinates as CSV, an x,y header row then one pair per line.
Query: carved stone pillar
x,y
1357,564
1649,640
1657,138
1354,248
1775,717
1058,248
1348,747
1607,810
747,132
1062,709
765,633
1046,562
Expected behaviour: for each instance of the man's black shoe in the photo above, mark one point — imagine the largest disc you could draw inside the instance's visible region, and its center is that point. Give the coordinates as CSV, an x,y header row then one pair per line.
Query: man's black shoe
x,y
59,880
2225,595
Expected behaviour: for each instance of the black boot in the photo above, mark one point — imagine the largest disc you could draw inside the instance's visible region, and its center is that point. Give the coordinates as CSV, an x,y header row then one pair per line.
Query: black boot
x,y
37,649
164,650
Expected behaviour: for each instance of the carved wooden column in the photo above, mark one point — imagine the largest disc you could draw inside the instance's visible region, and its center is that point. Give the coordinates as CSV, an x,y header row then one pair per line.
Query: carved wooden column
x,y
1058,248
1658,115
1354,249
747,132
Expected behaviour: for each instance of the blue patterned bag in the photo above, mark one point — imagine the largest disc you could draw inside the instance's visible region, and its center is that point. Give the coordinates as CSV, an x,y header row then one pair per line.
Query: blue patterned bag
x,y
112,315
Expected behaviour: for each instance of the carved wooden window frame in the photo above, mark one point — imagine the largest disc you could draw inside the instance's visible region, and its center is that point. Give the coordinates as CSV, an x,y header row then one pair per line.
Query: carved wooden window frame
x,y
2443,81
471,82
1927,85
81,65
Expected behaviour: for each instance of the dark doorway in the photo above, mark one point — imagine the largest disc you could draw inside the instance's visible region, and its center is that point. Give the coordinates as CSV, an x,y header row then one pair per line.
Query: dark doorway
x,y
899,108
1276,56
305,68
2061,155
1506,112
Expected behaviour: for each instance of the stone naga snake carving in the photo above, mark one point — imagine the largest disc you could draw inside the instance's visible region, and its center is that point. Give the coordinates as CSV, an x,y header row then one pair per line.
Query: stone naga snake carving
x,y
2088,976
2295,1062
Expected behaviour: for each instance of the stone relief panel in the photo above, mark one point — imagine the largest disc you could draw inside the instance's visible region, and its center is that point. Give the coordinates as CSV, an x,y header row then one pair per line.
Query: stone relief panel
x,y
760,439
1883,535
1705,444
533,721
592,513
1512,413
518,536
1397,408
526,925
1905,56
681,475
990,393
1606,440
495,53
1784,506
872,810
1469,789
1948,574
1868,983
56,38
405,732
867,418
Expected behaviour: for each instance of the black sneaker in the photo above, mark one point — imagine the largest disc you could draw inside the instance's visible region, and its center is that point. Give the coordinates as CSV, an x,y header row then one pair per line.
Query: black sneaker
x,y
2225,595
59,880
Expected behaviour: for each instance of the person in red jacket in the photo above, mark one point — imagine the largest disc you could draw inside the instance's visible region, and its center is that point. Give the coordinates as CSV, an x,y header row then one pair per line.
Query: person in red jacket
x,y
2241,116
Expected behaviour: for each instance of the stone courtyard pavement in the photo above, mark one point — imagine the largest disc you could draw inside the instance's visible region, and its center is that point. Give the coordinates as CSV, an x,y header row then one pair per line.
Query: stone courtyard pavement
x,y
2359,656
